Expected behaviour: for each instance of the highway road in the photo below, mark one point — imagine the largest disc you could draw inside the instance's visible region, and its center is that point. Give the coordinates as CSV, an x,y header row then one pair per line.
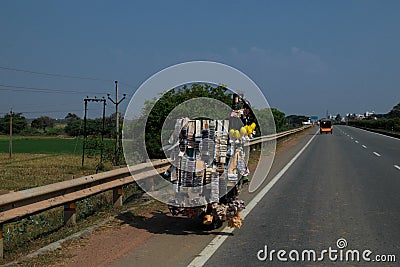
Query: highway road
x,y
321,189
343,186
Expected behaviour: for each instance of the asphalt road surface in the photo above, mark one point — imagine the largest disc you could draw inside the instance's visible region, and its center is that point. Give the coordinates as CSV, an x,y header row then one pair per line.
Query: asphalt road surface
x,y
344,186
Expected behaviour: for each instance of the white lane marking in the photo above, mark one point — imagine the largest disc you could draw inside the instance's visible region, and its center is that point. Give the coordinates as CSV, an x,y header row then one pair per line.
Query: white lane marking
x,y
377,154
356,141
210,249
351,138
378,134
397,167
364,146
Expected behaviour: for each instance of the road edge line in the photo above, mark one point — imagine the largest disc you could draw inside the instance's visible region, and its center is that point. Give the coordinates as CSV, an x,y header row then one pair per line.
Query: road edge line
x,y
388,136
210,249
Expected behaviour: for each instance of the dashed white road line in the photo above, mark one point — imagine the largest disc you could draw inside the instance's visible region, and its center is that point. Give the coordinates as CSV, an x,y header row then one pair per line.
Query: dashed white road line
x,y
356,141
364,146
398,139
351,138
377,154
397,167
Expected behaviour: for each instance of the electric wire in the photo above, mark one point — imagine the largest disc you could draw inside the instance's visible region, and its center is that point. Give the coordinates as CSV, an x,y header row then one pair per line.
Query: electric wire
x,y
61,75
44,90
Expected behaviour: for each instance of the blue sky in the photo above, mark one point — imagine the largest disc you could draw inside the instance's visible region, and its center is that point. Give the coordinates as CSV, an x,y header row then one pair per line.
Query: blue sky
x,y
306,56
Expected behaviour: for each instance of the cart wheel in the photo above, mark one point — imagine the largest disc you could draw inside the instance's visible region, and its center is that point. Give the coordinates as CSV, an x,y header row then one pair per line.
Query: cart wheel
x,y
217,223
239,186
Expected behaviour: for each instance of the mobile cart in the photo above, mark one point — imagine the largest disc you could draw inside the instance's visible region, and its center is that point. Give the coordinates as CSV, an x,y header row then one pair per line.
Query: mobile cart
x,y
209,166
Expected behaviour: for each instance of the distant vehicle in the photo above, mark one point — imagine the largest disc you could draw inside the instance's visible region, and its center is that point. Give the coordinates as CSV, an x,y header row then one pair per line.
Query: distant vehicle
x,y
325,126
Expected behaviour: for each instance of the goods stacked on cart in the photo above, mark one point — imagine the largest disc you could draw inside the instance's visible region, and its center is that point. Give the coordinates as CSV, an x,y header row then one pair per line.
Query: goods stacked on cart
x,y
209,166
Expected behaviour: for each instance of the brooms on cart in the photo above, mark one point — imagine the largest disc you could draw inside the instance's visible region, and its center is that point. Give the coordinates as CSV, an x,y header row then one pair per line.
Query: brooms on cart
x,y
210,166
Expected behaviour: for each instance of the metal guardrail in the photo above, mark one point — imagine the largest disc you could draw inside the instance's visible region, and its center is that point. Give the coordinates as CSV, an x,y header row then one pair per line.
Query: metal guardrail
x,y
277,136
17,205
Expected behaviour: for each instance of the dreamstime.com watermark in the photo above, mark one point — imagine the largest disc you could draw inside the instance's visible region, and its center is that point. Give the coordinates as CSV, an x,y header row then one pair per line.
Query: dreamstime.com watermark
x,y
338,254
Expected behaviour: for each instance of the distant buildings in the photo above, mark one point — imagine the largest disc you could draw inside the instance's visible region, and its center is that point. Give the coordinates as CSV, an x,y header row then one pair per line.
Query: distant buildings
x,y
366,115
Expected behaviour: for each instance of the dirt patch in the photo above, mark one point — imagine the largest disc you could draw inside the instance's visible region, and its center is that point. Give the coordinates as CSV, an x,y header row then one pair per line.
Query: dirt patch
x,y
111,241
105,246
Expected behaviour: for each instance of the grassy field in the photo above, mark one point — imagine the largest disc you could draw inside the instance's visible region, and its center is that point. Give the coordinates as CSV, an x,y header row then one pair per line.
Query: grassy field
x,y
30,170
44,145
39,161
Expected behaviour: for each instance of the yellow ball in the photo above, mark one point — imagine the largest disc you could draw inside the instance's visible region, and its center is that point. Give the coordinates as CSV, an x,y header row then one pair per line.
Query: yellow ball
x,y
253,126
237,134
249,130
243,131
232,133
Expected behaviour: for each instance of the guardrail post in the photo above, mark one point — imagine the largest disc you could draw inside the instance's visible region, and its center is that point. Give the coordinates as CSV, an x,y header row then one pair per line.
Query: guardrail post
x,y
1,242
151,184
117,196
70,213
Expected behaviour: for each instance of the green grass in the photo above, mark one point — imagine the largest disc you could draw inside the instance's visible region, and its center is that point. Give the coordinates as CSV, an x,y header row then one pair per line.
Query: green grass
x,y
43,145
25,171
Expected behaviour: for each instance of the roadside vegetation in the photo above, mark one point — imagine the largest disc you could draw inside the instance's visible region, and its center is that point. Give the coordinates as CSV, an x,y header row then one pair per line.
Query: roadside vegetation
x,y
389,122
47,151
25,171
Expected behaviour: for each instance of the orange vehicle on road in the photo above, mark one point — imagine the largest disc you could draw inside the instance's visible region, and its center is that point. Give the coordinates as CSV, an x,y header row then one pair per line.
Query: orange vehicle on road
x,y
325,126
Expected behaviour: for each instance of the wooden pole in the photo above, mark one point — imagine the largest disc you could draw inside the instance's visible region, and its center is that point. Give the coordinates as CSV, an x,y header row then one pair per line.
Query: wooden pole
x,y
117,125
70,213
1,242
117,196
11,133
84,133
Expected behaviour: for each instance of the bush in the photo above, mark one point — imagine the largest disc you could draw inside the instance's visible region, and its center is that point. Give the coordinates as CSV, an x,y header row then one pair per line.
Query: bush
x,y
392,124
54,131
30,131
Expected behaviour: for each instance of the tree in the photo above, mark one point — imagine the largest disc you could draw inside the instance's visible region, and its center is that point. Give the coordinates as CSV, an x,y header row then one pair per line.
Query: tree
x,y
296,120
42,122
279,118
171,99
72,117
338,118
19,123
74,128
395,112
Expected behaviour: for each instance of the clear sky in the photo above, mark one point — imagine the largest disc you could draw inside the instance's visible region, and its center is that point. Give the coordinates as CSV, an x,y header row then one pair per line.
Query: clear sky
x,y
306,56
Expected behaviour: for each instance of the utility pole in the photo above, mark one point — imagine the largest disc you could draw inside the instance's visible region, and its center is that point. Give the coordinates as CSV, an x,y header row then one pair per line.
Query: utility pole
x,y
116,103
103,129
84,132
95,99
11,128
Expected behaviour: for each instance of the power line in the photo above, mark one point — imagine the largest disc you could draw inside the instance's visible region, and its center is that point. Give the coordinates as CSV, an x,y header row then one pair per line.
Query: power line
x,y
60,75
49,111
23,106
52,111
44,90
